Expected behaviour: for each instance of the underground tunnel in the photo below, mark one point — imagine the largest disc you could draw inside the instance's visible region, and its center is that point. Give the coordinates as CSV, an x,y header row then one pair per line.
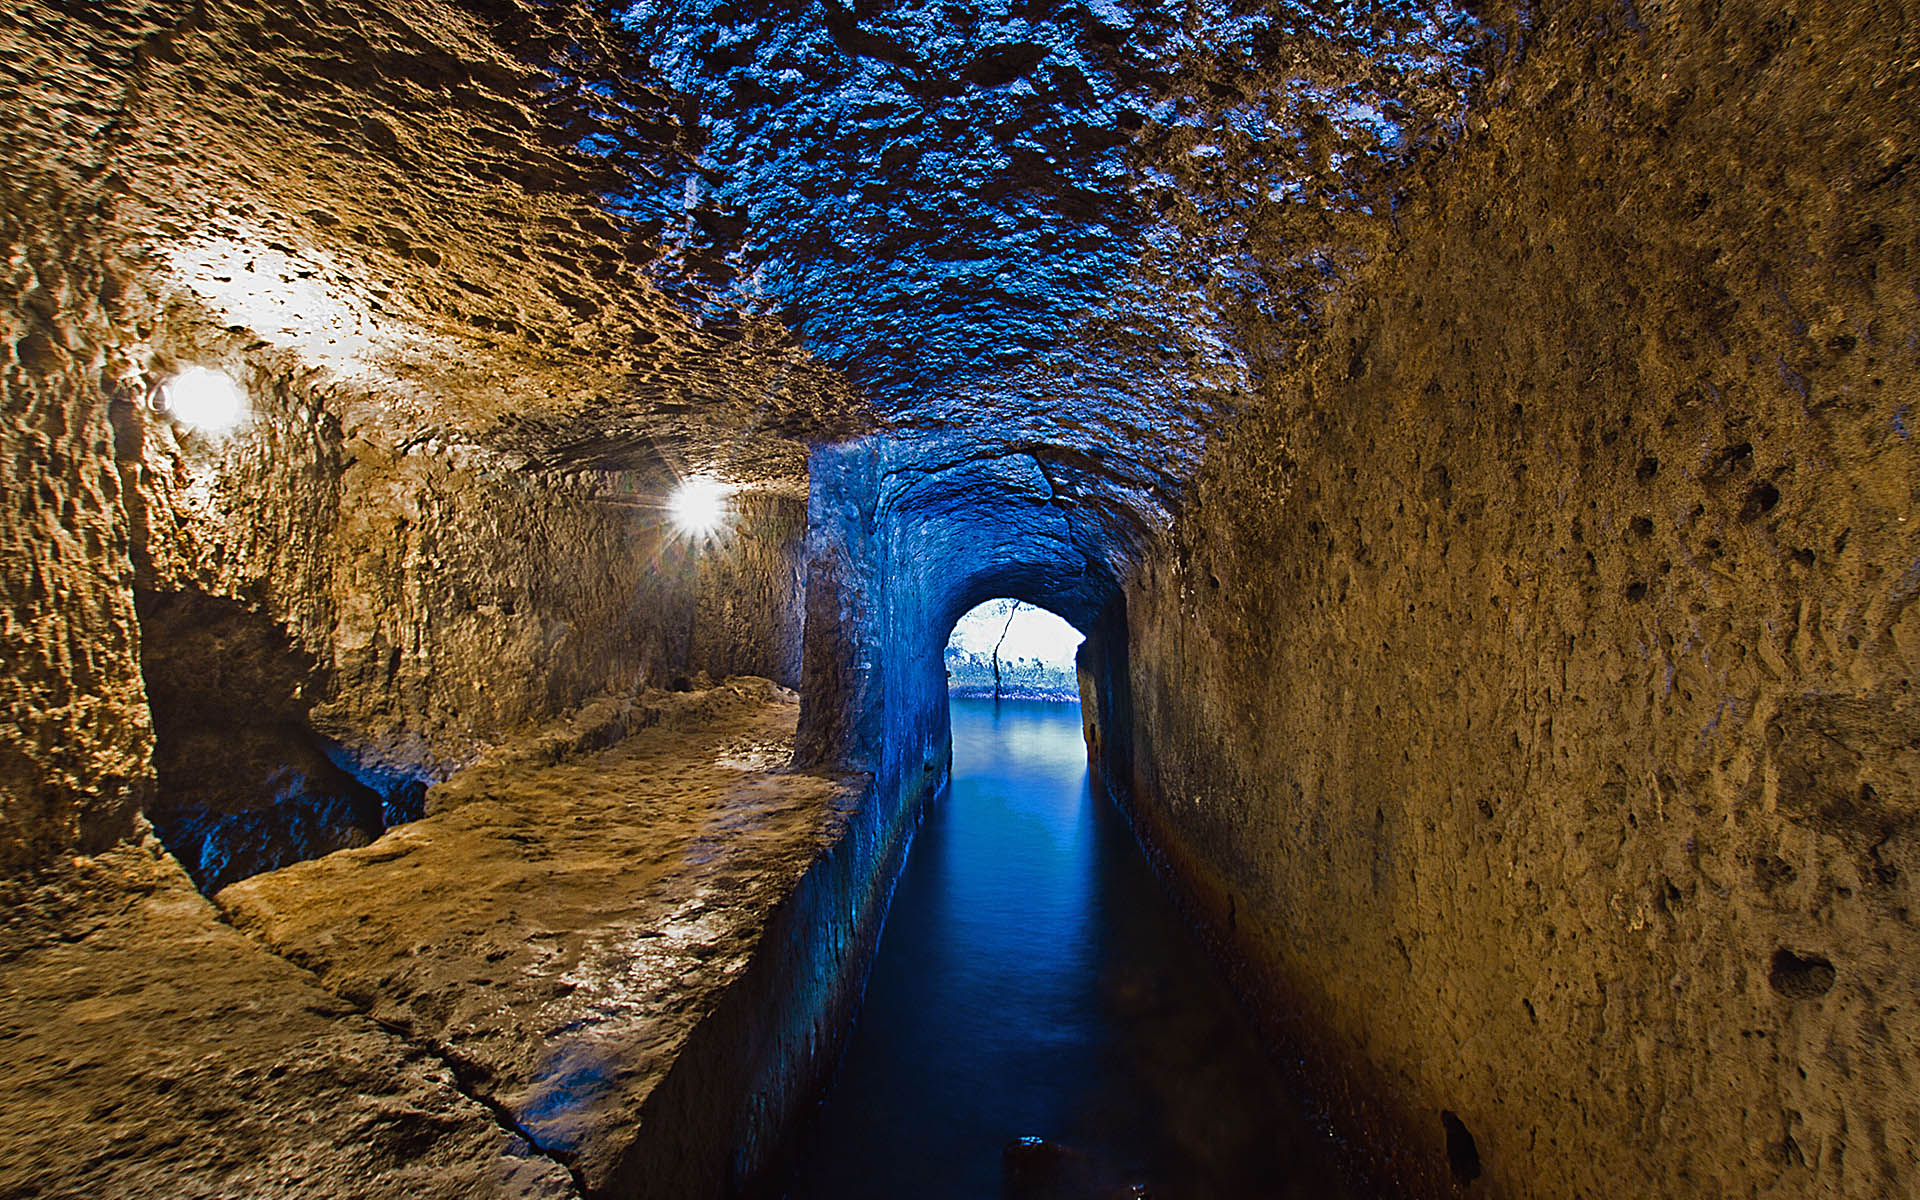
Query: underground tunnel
x,y
519,511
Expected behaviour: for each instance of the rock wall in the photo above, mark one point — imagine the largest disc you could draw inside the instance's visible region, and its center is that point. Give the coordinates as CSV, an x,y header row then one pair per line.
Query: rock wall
x,y
447,593
75,741
74,734
432,599
414,509
1525,693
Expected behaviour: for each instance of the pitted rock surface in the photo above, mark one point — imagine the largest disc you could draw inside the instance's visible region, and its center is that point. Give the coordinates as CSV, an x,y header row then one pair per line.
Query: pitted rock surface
x,y
151,1051
569,910
469,256
1529,685
1080,235
1477,437
396,193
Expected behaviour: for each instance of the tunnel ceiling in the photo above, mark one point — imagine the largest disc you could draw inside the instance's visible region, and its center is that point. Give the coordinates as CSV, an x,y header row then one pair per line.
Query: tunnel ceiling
x,y
712,234
1072,230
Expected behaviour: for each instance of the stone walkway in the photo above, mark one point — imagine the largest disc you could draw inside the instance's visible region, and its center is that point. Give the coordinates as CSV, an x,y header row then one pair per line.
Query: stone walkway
x,y
522,966
151,1051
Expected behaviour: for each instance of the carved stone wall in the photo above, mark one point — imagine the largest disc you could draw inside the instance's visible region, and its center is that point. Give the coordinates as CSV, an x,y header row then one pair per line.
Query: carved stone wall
x,y
1526,693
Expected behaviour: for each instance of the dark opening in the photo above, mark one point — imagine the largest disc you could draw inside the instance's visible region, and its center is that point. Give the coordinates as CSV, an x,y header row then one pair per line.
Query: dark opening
x,y
1800,977
1463,1156
1760,501
245,783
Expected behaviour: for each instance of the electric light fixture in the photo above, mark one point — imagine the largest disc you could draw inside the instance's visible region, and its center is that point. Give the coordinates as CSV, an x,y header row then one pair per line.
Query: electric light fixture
x,y
699,506
205,400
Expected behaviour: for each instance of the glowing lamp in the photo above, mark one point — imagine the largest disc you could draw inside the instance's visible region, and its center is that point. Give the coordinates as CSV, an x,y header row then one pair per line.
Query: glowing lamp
x,y
205,400
699,506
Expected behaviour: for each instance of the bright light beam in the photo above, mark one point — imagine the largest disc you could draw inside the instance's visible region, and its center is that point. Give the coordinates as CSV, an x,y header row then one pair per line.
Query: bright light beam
x,y
699,506
205,400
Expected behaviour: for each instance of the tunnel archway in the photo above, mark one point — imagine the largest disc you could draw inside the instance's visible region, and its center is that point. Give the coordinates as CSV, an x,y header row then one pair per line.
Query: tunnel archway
x,y
1004,649
906,535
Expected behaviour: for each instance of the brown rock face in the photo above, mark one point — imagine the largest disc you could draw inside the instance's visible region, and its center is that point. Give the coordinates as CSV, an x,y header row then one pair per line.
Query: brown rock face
x,y
1477,439
603,929
359,214
417,603
1527,688
73,761
154,1051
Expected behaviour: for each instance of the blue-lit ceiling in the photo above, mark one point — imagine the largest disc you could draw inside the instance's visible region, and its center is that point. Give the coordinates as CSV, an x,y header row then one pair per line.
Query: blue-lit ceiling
x,y
1088,226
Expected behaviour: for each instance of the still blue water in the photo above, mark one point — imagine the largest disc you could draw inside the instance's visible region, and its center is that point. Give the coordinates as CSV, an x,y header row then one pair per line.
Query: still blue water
x,y
1034,980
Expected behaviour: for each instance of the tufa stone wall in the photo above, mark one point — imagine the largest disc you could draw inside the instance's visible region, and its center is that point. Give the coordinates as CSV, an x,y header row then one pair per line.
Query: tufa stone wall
x,y
74,734
74,747
1525,694
445,509
446,594
415,599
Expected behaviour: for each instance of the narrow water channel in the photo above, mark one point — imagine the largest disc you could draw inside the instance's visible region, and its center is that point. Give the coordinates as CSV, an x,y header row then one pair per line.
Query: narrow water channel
x,y
1033,980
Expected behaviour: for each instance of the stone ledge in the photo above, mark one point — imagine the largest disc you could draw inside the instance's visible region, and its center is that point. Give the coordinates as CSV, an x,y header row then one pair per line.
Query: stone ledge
x,y
614,959
570,911
151,1051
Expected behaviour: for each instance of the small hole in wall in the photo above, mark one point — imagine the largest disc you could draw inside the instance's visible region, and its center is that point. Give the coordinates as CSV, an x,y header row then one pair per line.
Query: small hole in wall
x,y
1771,871
1636,592
1641,527
1760,502
1648,468
1731,461
1800,977
1462,1154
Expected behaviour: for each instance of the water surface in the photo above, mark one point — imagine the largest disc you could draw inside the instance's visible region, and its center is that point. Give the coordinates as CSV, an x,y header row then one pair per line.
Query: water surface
x,y
1033,980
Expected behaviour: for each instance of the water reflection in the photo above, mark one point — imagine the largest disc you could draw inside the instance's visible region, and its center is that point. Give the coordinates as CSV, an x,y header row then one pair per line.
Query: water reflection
x,y
1033,980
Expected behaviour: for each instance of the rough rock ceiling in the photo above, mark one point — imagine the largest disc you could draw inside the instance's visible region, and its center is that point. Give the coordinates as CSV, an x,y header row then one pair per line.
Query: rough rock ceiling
x,y
1051,227
394,191
713,234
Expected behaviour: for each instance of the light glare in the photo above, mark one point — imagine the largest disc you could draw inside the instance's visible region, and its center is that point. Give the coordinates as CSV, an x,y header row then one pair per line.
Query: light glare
x,y
699,505
205,400
297,298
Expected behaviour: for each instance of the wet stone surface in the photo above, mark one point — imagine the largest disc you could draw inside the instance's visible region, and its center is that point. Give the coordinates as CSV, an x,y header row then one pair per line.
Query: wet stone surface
x,y
557,929
152,1051
477,1004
